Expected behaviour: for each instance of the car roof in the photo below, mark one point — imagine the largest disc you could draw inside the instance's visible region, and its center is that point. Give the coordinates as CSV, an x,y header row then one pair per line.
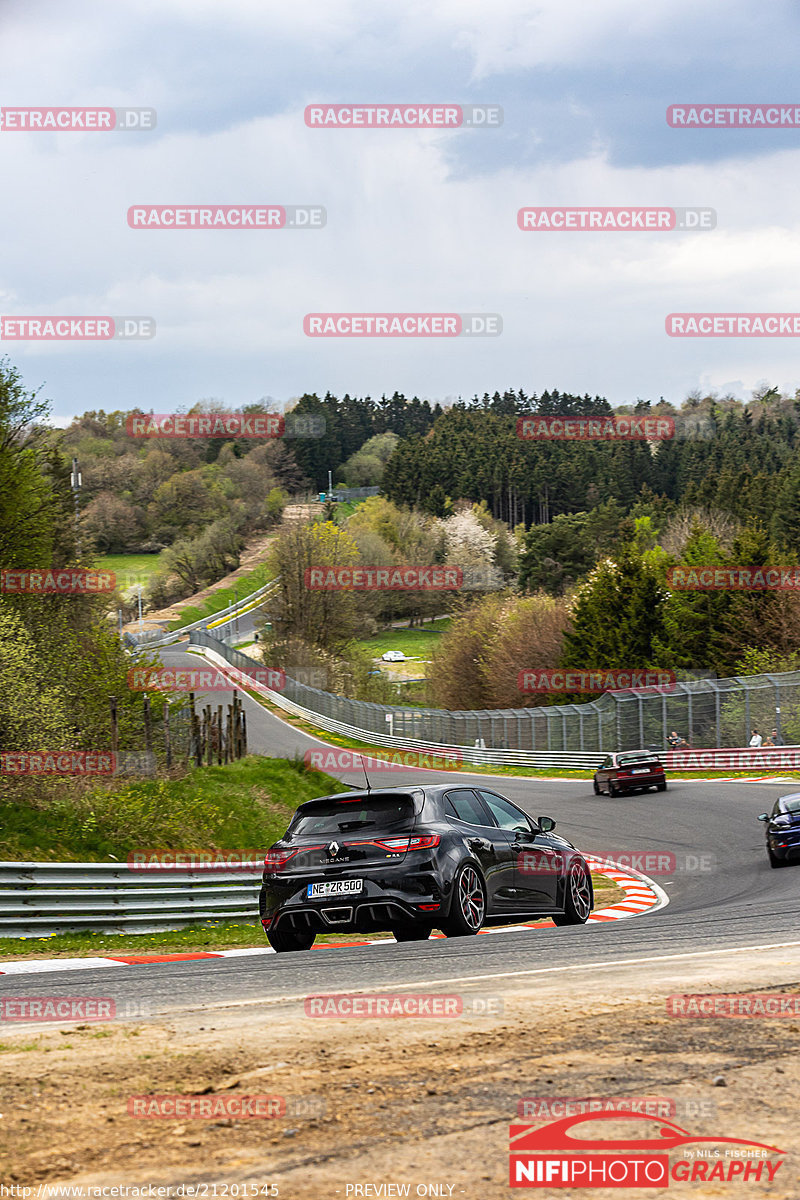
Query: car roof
x,y
429,790
789,796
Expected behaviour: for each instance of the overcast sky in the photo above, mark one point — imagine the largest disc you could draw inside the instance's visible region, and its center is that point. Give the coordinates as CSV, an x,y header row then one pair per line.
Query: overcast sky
x,y
417,221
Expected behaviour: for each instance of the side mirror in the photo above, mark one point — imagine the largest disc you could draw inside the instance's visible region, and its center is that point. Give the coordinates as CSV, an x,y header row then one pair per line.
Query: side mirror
x,y
764,817
546,824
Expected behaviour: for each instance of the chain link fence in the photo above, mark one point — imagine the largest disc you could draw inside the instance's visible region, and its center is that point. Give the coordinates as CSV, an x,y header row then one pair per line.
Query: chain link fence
x,y
705,713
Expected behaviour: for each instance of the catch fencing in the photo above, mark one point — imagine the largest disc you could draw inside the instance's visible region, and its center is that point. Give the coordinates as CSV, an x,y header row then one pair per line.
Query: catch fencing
x,y
705,713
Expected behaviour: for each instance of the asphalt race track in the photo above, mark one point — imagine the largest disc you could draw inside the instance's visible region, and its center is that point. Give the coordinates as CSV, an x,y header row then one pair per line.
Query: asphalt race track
x,y
722,895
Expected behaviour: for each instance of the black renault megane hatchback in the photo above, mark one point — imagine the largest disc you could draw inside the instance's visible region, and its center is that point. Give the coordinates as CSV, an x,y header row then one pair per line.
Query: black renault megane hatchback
x,y
414,859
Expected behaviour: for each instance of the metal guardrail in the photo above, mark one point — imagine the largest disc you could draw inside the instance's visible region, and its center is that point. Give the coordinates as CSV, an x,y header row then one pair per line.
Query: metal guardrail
x,y
41,898
477,754
154,638
714,712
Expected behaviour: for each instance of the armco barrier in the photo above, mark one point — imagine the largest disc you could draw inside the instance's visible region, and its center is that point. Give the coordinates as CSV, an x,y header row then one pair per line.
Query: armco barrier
x,y
154,639
744,758
40,898
564,734
222,654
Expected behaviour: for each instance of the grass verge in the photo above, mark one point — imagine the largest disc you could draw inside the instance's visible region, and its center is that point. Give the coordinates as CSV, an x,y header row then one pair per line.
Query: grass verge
x,y
223,597
244,805
129,569
418,642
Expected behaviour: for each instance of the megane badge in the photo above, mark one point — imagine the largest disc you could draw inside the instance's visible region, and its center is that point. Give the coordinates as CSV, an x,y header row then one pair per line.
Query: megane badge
x,y
333,849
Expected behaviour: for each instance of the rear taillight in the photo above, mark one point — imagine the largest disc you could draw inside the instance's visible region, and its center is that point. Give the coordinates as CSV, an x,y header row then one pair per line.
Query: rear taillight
x,y
276,860
419,842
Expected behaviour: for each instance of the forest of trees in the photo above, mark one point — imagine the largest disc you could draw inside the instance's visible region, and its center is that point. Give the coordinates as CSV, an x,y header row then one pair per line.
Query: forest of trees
x,y
60,656
569,532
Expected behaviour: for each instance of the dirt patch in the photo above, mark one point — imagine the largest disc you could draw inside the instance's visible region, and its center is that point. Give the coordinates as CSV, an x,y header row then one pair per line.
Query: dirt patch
x,y
416,1101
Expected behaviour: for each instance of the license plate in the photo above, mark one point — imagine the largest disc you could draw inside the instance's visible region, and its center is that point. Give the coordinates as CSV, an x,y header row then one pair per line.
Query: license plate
x,y
640,771
334,887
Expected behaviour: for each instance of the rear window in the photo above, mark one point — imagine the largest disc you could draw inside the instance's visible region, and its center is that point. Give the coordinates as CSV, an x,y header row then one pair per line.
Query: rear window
x,y
624,760
352,814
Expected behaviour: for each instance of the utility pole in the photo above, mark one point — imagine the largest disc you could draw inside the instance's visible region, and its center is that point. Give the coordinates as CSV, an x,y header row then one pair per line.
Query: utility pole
x,y
75,481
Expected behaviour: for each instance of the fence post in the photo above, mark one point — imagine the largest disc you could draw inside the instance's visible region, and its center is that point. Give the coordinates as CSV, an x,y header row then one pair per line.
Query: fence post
x,y
746,713
148,726
112,703
219,735
167,739
196,747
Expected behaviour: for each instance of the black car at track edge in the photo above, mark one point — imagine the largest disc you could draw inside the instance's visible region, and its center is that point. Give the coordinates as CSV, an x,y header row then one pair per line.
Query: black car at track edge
x,y
414,859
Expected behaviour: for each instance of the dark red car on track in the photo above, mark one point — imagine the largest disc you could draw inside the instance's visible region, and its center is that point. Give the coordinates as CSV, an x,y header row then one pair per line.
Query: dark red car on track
x,y
630,771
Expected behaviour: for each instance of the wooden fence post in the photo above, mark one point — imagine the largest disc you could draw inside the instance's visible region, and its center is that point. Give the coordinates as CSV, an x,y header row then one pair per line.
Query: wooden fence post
x,y
148,725
167,739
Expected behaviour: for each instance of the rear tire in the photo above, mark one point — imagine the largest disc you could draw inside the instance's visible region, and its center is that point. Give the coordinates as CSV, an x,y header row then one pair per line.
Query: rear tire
x,y
613,791
596,788
661,787
774,861
283,942
468,906
412,933
577,895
